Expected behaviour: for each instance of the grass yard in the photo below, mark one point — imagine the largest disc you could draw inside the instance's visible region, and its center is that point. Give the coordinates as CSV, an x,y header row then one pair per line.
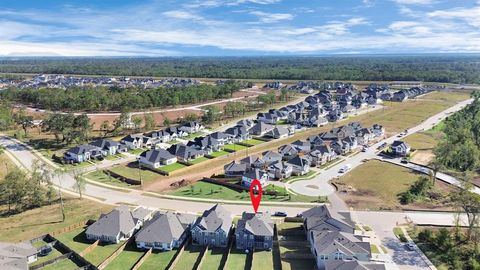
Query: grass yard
x,y
253,142
194,135
199,160
54,254
75,239
188,258
126,259
102,177
298,264
38,221
213,259
172,167
237,260
137,151
101,252
220,153
308,175
134,173
212,191
158,260
262,260
377,185
65,264
234,147
425,140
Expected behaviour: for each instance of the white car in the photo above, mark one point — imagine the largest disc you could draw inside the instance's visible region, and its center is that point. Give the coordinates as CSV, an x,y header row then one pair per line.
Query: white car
x,y
410,246
345,168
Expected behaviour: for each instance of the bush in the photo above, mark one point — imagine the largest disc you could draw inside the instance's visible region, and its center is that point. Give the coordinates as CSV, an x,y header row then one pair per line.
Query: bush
x,y
425,236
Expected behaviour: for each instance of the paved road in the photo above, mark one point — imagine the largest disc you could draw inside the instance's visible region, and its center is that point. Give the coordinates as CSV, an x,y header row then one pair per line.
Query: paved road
x,y
422,169
319,186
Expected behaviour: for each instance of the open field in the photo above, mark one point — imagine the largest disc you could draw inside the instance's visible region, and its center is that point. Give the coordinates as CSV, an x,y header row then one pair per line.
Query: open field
x,y
202,189
377,185
157,260
395,117
35,222
126,259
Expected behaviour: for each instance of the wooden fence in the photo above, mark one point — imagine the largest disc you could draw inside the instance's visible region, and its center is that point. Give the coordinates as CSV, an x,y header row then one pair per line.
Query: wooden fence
x,y
200,259
177,255
89,248
51,261
115,253
142,259
123,178
72,227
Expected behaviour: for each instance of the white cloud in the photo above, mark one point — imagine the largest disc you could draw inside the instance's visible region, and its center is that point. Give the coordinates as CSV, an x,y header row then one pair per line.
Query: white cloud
x,y
271,17
415,2
180,14
471,16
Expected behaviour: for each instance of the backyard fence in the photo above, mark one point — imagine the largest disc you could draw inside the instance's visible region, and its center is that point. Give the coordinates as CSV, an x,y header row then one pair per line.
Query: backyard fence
x,y
177,255
89,248
51,261
142,259
115,253
200,259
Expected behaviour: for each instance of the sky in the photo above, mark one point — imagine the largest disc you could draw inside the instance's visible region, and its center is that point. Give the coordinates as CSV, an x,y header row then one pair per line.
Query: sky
x,y
237,27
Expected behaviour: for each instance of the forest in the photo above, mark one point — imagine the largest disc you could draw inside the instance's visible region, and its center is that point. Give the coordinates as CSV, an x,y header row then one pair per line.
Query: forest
x,y
432,68
460,148
119,99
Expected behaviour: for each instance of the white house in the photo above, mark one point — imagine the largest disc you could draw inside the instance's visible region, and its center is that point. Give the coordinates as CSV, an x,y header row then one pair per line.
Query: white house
x,y
260,175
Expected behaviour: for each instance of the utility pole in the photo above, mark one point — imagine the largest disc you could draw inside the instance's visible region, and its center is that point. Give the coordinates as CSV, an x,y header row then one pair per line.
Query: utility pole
x,y
140,172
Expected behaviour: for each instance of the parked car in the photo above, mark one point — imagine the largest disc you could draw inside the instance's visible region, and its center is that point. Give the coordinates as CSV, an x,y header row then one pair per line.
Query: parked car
x,y
383,145
345,168
279,214
404,160
410,246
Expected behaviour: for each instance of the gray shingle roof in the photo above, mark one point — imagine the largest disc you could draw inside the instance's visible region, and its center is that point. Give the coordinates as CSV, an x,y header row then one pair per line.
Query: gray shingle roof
x,y
328,242
352,265
119,220
259,224
157,155
164,228
215,218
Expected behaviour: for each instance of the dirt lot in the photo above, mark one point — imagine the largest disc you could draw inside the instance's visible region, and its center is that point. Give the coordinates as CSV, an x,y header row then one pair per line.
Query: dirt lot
x,y
423,157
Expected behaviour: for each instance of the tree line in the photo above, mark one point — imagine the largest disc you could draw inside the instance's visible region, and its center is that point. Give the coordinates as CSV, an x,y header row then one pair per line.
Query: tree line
x,y
117,99
460,148
435,68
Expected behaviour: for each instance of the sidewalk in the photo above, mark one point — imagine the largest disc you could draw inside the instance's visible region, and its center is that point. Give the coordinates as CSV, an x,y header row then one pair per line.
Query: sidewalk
x,y
418,250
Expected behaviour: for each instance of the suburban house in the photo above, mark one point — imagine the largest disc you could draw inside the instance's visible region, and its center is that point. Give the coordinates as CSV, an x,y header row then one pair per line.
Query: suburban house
x,y
364,136
400,148
176,132
253,162
302,146
222,137
116,226
321,155
82,153
212,228
331,237
132,141
340,147
254,231
279,170
234,169
247,123
17,256
260,175
288,151
300,165
268,118
165,231
191,127
156,158
185,153
378,130
108,147
355,265
270,157
161,136
278,133
260,129
141,215
238,133
207,144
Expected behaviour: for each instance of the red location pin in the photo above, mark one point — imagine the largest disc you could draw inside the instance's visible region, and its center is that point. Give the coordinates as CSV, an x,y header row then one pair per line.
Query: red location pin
x,y
255,187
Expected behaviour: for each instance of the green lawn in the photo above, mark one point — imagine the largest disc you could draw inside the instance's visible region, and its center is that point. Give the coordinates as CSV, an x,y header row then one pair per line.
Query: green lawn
x,y
298,264
262,260
126,259
158,260
213,259
102,177
65,264
75,240
219,153
172,167
234,147
236,260
134,173
101,252
308,175
194,135
188,257
374,249
213,191
137,151
199,160
55,253
425,140
112,157
253,142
